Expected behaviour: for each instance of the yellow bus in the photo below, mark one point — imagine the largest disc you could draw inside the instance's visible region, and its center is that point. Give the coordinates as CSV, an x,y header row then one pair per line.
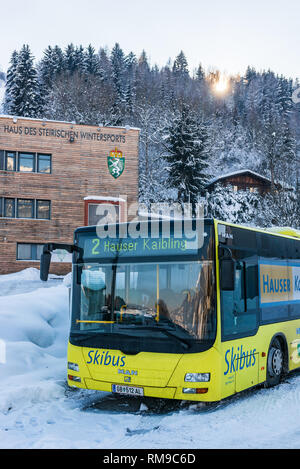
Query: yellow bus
x,y
166,317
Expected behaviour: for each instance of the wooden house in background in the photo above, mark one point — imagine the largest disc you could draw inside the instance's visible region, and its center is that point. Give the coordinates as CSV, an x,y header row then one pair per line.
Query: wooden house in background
x,y
245,179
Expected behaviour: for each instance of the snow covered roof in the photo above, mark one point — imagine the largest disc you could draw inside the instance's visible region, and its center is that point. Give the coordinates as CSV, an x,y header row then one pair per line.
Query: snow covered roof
x,y
107,199
126,127
235,173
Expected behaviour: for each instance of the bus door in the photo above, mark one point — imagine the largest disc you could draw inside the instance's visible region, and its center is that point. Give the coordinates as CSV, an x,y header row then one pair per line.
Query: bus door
x,y
239,323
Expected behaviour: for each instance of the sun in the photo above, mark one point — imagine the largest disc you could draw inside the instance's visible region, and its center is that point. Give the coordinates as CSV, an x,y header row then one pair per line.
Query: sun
x,y
221,86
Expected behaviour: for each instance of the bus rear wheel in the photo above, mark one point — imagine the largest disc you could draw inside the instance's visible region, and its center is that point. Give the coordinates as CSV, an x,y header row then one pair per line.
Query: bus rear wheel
x,y
275,363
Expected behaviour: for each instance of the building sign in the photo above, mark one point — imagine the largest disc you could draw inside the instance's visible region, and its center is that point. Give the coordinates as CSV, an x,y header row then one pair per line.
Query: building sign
x,y
63,133
279,282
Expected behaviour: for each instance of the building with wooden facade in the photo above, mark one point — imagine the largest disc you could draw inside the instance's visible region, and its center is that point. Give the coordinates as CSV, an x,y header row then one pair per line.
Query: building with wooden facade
x,y
242,180
53,176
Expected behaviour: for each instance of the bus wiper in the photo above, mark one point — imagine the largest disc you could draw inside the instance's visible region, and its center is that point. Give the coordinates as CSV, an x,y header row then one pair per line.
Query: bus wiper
x,y
165,331
98,334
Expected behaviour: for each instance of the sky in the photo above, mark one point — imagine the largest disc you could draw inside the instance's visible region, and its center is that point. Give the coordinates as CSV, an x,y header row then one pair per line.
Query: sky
x,y
219,34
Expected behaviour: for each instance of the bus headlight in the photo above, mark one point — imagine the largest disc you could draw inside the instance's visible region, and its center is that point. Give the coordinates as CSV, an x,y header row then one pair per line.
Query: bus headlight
x,y
197,377
73,366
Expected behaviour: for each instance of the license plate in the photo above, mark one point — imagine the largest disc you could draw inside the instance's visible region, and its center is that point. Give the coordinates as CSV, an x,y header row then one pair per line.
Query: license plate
x,y
129,390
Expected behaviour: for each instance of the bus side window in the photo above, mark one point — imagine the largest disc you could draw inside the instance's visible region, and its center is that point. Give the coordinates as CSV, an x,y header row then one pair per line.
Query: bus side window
x,y
252,286
238,307
233,303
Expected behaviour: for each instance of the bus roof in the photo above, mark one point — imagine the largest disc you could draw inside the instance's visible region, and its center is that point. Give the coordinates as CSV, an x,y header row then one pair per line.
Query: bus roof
x,y
286,232
83,229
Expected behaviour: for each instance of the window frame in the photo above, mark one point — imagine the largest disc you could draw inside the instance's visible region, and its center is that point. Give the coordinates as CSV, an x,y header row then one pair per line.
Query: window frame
x,y
32,211
38,155
33,252
226,335
33,161
37,210
4,207
6,155
18,156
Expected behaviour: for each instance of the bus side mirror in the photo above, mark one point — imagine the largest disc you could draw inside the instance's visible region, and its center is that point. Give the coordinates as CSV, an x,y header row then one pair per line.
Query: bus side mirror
x,y
45,266
227,274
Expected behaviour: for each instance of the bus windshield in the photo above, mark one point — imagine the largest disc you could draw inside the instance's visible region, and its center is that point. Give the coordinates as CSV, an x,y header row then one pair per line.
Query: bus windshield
x,y
144,295
171,301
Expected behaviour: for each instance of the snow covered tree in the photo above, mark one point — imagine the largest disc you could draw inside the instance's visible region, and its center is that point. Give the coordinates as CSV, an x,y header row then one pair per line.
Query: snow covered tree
x,y
130,87
50,66
74,58
24,92
10,89
180,66
91,63
186,155
118,67
225,204
200,74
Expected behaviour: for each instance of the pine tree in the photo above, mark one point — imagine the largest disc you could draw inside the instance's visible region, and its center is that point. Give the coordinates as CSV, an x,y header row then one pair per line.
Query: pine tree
x,y
118,67
104,65
91,61
74,58
187,156
180,66
200,74
10,89
130,89
25,100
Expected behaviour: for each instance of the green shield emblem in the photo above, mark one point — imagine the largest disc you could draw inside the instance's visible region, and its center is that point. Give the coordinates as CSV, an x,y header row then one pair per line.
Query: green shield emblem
x,y
116,163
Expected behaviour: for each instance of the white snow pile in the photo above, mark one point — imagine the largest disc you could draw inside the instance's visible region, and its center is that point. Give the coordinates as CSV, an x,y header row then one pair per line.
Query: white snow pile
x,y
33,334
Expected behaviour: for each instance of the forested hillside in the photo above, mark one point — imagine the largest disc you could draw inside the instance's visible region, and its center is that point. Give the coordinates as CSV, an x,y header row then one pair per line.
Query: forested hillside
x,y
194,124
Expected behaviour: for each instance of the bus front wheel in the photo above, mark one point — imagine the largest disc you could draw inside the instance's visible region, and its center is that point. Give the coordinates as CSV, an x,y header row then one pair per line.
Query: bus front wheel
x,y
275,363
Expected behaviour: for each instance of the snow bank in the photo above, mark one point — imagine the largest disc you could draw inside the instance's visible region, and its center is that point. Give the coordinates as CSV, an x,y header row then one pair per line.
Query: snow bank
x,y
24,275
33,325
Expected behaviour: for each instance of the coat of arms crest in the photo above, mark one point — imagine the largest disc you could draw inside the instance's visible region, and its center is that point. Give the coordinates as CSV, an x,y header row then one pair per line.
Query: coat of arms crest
x,y
116,163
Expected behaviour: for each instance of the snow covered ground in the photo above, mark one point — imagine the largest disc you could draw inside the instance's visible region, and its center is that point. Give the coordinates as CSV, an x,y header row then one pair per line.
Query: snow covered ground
x,y
38,410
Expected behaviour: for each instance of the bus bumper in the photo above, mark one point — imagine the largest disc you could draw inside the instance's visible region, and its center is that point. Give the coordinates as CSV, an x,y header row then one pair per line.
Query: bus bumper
x,y
204,395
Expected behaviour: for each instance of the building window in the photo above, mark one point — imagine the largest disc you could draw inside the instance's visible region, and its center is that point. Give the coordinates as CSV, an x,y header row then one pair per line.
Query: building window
x,y
26,162
9,208
110,213
43,209
43,163
25,208
10,161
24,252
29,252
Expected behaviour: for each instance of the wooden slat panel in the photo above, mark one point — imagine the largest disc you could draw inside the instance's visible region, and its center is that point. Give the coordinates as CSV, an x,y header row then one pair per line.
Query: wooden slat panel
x,y
79,169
